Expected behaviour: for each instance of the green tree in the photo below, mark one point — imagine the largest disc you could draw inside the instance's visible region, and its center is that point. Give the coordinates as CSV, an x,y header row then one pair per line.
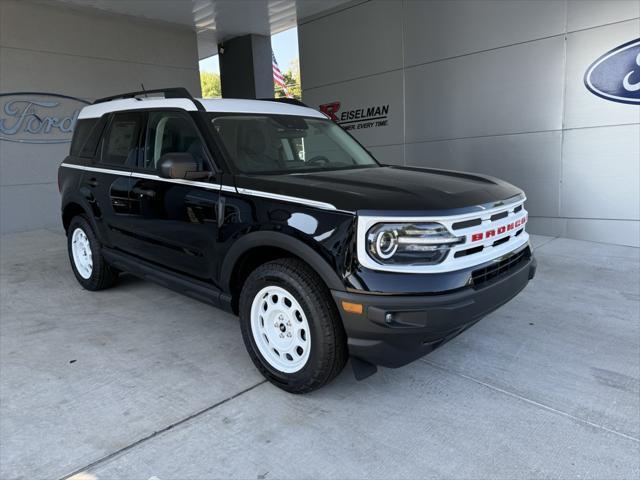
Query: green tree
x,y
210,85
292,80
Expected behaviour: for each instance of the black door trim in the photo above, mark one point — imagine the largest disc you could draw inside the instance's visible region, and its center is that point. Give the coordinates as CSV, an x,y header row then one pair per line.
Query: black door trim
x,y
203,291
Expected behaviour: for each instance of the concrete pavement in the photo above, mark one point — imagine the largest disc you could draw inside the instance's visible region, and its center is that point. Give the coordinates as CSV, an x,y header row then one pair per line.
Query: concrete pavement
x,y
138,381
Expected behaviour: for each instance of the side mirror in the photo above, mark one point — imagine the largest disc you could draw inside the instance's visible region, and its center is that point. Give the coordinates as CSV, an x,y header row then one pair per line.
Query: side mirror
x,y
180,165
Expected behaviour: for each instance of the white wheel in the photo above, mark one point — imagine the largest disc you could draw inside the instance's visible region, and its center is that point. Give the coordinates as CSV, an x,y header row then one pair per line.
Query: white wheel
x,y
82,256
280,329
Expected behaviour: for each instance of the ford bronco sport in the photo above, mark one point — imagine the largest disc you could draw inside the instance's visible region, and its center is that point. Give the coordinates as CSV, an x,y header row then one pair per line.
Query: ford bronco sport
x,y
273,212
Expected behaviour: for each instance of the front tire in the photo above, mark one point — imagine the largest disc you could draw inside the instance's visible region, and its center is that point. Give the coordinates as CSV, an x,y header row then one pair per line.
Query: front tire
x,y
291,327
85,253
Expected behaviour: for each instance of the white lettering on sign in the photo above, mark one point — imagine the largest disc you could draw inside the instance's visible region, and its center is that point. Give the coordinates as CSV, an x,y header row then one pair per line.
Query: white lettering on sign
x,y
631,87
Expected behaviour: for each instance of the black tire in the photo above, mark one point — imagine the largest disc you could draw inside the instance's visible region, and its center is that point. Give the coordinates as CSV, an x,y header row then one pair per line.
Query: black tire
x,y
328,353
102,274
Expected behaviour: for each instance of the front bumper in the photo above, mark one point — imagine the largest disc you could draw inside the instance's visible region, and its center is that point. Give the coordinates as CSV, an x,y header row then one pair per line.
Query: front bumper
x,y
394,330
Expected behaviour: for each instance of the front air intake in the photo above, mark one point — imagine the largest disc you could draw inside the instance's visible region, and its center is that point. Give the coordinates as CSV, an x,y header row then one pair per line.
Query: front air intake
x,y
500,267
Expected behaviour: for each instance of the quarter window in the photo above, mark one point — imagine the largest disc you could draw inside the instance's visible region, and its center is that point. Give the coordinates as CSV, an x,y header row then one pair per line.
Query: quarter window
x,y
86,136
172,132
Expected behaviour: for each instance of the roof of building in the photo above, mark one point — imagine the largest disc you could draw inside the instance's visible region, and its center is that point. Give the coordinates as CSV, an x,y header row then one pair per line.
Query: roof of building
x,y
227,105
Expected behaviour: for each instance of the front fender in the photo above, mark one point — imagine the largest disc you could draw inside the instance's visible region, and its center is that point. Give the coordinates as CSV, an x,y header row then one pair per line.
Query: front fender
x,y
285,242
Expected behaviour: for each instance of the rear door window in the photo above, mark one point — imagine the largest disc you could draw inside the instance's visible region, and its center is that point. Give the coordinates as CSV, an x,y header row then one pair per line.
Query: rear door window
x,y
121,144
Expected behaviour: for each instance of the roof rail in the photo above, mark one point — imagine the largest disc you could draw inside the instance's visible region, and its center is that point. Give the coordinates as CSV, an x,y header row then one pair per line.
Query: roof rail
x,y
176,92
290,101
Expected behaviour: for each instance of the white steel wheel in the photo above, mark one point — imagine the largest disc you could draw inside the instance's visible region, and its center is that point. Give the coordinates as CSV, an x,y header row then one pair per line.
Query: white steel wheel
x,y
280,329
82,256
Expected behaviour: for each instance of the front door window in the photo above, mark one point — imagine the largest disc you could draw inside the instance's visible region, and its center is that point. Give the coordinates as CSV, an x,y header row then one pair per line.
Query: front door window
x,y
172,132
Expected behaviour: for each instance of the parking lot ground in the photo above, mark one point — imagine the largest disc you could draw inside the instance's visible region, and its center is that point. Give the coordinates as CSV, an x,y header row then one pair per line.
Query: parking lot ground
x,y
138,381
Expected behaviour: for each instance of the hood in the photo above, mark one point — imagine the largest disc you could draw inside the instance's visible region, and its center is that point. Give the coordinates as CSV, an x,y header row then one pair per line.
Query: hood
x,y
387,188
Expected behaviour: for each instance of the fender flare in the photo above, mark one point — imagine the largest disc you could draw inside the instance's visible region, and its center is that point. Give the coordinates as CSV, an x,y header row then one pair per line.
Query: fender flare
x,y
285,242
82,203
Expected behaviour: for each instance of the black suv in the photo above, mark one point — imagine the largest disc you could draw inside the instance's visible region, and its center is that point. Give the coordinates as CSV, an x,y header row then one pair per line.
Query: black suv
x,y
273,212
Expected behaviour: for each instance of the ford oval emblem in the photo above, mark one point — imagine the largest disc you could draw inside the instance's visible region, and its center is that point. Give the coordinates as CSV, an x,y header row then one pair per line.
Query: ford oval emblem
x,y
36,117
615,75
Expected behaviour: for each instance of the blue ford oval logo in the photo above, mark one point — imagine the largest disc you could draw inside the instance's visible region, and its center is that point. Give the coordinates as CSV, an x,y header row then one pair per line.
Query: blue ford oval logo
x,y
35,117
615,75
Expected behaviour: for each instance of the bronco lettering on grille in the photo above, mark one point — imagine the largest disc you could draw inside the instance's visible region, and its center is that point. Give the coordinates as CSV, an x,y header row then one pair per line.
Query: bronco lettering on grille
x,y
492,232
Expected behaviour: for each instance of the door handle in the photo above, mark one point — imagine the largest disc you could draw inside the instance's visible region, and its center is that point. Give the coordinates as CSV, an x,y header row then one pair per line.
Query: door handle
x,y
92,182
144,192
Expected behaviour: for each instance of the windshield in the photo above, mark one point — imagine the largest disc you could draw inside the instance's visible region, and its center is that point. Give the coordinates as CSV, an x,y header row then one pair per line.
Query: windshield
x,y
275,144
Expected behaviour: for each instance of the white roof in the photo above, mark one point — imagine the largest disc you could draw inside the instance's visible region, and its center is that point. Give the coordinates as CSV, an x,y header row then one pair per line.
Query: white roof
x,y
229,105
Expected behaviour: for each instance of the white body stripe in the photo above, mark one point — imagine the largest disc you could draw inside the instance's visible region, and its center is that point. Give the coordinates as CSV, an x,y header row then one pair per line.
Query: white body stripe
x,y
287,198
95,169
207,185
224,105
149,176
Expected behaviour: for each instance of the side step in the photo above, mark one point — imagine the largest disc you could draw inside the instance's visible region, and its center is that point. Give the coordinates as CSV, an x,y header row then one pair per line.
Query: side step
x,y
178,282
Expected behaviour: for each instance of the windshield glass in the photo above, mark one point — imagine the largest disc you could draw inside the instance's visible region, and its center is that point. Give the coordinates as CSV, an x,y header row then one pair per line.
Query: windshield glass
x,y
275,144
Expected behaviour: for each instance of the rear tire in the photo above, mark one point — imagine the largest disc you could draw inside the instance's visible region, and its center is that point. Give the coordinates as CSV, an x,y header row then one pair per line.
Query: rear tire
x,y
291,326
85,253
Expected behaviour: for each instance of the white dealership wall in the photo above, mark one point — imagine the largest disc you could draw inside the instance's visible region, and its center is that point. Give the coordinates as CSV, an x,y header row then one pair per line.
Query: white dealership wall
x,y
51,48
494,87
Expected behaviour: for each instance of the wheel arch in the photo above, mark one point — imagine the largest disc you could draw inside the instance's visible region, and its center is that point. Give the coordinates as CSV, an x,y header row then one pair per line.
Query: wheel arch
x,y
69,211
258,248
74,206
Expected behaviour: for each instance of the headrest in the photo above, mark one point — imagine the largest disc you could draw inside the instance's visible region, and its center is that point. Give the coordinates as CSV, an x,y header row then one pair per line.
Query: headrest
x,y
254,141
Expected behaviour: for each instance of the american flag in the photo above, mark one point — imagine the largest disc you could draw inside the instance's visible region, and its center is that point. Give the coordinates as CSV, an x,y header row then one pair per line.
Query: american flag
x,y
278,79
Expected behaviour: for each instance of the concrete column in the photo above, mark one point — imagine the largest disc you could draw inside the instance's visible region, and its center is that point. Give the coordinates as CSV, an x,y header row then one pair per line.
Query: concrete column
x,y
245,67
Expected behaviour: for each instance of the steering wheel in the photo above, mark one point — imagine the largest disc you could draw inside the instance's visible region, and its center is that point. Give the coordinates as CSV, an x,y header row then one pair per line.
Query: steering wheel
x,y
318,159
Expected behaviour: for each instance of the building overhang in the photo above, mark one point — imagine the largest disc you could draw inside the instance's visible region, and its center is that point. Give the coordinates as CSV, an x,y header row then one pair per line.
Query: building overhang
x,y
215,21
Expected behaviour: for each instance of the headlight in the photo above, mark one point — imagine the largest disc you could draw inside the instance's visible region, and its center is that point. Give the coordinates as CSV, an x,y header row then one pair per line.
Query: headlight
x,y
410,244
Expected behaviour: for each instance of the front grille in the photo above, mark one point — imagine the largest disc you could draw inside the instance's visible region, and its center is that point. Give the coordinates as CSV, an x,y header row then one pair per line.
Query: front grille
x,y
466,224
469,251
500,215
497,269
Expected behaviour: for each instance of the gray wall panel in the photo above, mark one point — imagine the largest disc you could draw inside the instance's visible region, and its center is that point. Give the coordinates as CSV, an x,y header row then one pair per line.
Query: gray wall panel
x,y
552,226
25,207
601,173
582,108
383,89
529,161
84,55
509,90
583,14
94,35
361,40
33,164
435,29
605,231
85,77
621,232
389,155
